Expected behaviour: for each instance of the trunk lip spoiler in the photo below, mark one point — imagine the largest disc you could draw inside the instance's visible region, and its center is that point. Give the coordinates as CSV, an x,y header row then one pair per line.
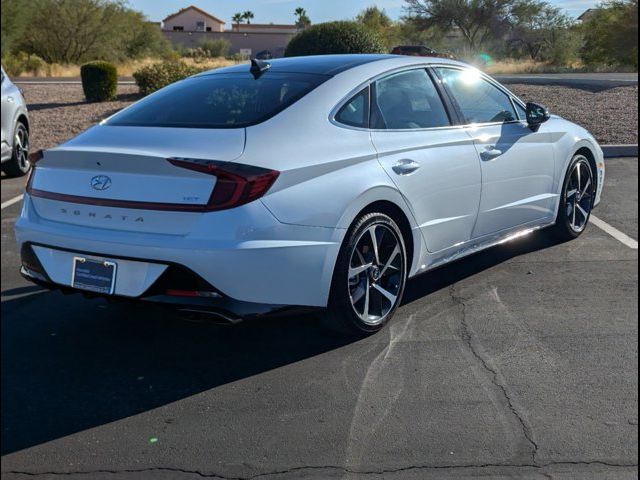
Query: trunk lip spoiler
x,y
115,203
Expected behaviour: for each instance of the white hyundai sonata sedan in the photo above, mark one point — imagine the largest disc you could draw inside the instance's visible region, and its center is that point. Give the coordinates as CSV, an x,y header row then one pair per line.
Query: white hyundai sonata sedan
x,y
318,182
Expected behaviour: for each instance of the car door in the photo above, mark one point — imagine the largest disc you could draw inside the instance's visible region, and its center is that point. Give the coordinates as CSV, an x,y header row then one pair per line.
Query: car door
x,y
433,163
517,163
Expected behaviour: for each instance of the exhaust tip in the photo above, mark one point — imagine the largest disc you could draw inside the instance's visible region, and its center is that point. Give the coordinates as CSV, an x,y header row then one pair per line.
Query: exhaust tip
x,y
217,318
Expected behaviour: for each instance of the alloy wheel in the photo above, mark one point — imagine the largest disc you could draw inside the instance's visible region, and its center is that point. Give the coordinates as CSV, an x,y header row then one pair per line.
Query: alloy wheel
x,y
579,195
376,274
21,146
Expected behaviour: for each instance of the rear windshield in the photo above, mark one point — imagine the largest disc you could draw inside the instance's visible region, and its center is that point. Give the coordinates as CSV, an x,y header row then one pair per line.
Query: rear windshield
x,y
219,101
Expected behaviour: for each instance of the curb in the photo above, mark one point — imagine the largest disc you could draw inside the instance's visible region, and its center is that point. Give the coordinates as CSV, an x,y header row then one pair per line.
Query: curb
x,y
613,151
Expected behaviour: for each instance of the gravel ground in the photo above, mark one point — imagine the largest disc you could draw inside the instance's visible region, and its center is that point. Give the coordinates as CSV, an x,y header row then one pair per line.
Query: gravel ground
x,y
611,115
59,112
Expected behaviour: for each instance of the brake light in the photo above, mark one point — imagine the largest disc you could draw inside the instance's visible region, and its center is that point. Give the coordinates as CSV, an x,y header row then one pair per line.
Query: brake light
x,y
34,158
236,184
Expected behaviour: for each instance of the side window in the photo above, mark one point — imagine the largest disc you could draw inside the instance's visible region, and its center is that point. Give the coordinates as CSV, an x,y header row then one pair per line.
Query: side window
x,y
409,100
355,112
479,100
522,112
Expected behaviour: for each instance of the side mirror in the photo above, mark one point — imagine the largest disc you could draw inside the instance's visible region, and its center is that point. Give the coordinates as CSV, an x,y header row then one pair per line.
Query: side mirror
x,y
537,114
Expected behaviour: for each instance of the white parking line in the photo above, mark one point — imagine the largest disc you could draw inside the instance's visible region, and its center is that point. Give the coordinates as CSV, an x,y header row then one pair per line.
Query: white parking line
x,y
615,233
10,202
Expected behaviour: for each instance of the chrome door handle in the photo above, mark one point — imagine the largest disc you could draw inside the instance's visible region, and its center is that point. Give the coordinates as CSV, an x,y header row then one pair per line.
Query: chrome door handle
x,y
10,99
491,152
405,167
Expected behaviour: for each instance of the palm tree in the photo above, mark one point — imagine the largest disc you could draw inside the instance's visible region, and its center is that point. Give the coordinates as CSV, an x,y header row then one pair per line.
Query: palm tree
x,y
248,16
237,19
302,19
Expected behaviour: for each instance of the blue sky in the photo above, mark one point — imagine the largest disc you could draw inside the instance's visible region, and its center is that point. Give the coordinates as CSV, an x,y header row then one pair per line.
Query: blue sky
x,y
281,11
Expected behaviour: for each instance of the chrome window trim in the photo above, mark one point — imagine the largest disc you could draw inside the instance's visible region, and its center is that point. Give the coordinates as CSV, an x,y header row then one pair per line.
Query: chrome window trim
x,y
368,83
423,66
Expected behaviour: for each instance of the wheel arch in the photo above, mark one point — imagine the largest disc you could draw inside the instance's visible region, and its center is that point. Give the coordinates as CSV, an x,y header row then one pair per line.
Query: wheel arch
x,y
397,215
22,118
588,153
591,151
389,201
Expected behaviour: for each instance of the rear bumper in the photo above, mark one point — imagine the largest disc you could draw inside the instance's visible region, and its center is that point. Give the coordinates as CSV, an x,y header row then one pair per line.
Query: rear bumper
x,y
229,309
246,254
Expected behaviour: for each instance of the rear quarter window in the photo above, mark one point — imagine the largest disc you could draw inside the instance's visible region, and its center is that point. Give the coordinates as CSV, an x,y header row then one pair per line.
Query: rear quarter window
x,y
355,113
219,101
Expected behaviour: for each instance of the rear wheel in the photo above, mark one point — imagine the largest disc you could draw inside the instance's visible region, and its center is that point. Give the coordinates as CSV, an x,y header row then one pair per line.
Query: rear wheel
x,y
577,199
369,277
18,165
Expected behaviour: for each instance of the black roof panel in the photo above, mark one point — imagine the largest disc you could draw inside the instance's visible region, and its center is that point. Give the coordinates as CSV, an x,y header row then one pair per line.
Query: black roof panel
x,y
317,64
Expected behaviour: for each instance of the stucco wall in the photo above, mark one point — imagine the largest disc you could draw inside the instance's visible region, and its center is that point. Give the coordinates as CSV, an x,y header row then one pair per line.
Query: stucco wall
x,y
274,42
189,20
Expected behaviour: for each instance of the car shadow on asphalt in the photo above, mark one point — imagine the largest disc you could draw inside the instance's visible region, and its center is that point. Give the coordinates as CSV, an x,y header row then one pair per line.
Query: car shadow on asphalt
x,y
454,272
70,364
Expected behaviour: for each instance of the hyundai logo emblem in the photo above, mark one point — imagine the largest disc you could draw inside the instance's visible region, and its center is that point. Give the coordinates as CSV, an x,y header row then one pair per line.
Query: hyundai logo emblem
x,y
100,182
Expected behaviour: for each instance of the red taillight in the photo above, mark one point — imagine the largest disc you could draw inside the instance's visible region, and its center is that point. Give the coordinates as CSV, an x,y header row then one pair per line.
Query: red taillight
x,y
236,184
34,158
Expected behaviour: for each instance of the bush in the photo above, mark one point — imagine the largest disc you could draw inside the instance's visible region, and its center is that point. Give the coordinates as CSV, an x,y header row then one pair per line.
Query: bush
x,y
159,75
13,64
215,48
99,81
335,37
611,34
18,63
35,65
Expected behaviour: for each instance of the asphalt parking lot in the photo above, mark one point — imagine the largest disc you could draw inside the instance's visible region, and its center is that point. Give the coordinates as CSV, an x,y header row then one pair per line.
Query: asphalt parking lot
x,y
519,362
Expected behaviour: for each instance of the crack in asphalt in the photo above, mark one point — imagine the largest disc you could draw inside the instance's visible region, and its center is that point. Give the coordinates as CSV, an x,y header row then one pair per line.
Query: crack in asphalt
x,y
336,468
467,336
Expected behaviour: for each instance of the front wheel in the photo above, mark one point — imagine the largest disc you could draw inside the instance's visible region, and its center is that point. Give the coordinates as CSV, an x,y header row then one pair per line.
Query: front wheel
x,y
369,277
576,203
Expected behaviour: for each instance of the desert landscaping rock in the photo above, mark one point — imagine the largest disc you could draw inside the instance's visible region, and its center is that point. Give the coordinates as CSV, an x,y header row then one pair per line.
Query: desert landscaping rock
x,y
611,115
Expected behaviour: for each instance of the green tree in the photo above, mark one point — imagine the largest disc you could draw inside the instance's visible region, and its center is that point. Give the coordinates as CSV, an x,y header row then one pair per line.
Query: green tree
x,y
611,35
378,21
14,17
478,21
75,31
538,28
248,16
237,19
302,19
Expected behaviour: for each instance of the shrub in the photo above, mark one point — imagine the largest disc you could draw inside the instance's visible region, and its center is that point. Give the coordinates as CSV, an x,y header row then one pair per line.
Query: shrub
x,y
13,64
159,75
215,48
99,81
35,65
335,37
20,62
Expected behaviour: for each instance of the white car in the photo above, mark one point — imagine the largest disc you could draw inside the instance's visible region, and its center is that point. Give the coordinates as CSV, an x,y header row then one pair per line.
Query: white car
x,y
317,182
15,130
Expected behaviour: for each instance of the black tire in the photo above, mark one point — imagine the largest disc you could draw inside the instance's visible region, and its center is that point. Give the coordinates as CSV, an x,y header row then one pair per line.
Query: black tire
x,y
568,227
19,164
342,314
